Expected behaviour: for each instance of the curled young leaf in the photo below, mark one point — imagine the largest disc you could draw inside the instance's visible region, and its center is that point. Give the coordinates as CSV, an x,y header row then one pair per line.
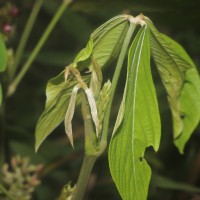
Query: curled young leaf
x,y
93,108
96,78
70,113
89,94
104,98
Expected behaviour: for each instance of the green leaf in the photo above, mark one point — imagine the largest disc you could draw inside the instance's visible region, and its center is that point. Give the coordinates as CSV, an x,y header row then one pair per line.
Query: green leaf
x,y
190,107
85,53
140,125
58,94
108,39
182,83
104,43
3,55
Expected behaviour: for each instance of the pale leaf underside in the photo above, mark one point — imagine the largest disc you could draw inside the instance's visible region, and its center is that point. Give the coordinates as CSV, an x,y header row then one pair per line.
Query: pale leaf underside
x,y
182,83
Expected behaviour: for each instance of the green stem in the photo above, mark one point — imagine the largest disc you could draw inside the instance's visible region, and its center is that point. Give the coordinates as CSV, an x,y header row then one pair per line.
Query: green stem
x,y
4,191
37,48
92,151
86,169
25,36
115,80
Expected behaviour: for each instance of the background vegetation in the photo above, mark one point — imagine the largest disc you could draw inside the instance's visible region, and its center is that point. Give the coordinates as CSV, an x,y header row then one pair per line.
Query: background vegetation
x,y
174,174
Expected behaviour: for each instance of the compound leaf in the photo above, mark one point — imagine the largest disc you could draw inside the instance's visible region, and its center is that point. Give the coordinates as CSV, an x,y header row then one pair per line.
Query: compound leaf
x,y
140,126
103,45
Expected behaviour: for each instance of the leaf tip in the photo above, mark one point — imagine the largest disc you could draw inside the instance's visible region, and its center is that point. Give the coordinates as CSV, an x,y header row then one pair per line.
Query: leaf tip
x,y
37,147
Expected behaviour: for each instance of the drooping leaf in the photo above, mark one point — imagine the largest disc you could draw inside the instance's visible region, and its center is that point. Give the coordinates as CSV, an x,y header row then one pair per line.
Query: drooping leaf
x,y
58,94
140,125
166,183
190,107
70,113
3,55
182,83
107,41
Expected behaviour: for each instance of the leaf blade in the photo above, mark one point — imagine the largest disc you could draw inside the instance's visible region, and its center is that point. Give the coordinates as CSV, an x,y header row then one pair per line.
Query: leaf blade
x,y
180,78
140,126
108,39
58,93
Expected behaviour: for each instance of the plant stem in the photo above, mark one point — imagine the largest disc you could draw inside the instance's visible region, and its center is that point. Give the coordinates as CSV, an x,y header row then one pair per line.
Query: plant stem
x,y
25,35
92,151
37,48
115,79
86,169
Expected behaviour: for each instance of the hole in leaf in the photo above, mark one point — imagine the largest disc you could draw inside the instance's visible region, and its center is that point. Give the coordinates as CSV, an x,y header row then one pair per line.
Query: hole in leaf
x,y
187,82
140,158
182,115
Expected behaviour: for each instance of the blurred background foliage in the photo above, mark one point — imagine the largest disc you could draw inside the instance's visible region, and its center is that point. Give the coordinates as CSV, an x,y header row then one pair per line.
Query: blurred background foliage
x,y
175,176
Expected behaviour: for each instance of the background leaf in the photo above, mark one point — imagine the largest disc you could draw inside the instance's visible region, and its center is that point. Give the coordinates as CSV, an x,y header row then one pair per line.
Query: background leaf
x,y
140,127
3,55
181,80
0,95
166,183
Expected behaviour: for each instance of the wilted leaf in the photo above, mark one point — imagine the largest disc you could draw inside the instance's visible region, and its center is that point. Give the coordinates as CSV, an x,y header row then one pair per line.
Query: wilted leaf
x,y
140,125
70,113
